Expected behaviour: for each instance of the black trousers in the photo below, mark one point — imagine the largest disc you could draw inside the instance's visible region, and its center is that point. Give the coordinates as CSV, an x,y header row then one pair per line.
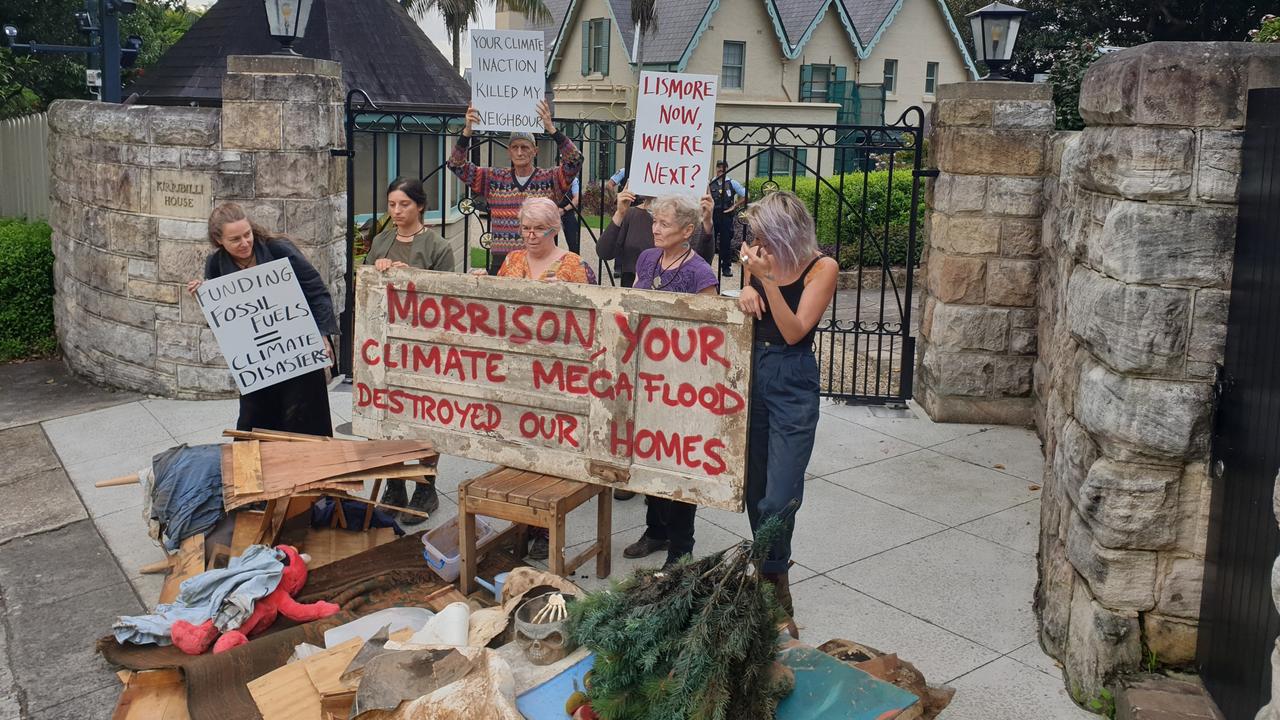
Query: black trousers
x,y
628,279
572,232
299,404
671,520
723,225
495,262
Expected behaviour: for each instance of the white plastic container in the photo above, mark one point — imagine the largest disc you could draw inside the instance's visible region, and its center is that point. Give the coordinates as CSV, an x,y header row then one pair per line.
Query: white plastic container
x,y
441,546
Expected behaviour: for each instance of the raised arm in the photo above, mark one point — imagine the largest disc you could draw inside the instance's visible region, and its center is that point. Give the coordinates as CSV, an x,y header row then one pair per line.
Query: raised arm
x,y
820,286
472,175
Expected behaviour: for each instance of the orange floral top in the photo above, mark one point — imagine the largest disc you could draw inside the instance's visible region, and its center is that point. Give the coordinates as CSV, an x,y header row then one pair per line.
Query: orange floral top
x,y
569,268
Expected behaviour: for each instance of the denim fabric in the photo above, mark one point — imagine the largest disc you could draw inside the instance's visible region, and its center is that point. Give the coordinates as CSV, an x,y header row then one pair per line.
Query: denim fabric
x,y
187,496
225,596
784,420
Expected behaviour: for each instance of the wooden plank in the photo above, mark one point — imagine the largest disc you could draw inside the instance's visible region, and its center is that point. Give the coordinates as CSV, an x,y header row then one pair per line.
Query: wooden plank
x,y
327,545
467,549
524,494
549,497
286,693
122,480
583,493
501,490
153,695
581,558
189,562
507,511
325,668
386,473
498,478
248,524
555,547
604,532
246,467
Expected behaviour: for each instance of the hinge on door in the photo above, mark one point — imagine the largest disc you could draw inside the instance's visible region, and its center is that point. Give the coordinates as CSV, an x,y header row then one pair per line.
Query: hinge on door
x,y
925,173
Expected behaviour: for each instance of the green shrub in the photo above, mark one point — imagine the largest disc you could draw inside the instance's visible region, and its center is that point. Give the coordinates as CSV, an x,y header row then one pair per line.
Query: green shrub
x,y
855,233
26,290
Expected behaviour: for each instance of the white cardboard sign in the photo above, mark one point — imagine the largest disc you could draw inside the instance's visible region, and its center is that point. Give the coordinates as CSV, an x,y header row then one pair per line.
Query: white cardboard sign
x,y
508,78
263,325
675,116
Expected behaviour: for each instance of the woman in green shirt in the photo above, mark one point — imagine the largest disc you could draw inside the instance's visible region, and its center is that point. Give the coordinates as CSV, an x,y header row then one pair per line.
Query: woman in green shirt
x,y
409,243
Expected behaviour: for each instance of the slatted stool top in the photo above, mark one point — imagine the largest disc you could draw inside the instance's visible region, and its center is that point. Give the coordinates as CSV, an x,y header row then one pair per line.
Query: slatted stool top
x,y
530,489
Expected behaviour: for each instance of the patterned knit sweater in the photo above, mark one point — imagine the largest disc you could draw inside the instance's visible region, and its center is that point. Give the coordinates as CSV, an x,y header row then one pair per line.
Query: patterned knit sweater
x,y
504,193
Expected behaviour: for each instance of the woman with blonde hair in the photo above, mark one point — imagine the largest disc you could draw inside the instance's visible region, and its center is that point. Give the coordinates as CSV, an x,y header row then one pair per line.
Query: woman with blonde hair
x,y
299,404
541,259
791,283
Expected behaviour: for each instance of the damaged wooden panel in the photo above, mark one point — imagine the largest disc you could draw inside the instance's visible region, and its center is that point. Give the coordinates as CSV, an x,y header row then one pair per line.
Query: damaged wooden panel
x,y
641,389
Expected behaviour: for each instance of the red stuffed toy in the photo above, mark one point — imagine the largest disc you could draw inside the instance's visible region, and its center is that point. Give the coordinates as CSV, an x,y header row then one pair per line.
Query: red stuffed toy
x,y
196,639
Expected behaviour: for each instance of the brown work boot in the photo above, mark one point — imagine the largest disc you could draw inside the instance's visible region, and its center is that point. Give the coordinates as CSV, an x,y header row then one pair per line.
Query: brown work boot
x,y
644,547
782,591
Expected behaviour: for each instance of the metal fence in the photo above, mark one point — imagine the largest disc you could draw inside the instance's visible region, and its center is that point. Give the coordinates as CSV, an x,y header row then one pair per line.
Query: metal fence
x,y
24,157
862,183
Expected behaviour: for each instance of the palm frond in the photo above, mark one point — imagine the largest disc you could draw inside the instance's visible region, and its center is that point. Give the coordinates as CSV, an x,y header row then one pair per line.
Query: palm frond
x,y
535,11
644,13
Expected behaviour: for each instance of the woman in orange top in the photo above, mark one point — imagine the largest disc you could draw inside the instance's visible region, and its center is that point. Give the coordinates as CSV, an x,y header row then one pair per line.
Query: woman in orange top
x,y
541,259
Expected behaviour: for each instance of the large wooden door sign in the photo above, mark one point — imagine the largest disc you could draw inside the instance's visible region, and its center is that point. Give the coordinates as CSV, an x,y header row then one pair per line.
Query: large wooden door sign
x,y
634,388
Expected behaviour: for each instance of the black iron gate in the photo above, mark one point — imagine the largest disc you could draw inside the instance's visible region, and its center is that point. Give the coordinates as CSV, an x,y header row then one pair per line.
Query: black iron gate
x,y
1238,620
861,182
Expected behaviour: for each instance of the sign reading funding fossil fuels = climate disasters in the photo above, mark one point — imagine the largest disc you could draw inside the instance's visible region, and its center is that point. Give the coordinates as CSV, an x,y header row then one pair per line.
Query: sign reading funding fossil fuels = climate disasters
x,y
263,325
630,388
675,118
508,78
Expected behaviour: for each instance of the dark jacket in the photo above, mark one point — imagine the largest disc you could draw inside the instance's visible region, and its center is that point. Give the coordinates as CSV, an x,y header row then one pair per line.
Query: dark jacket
x,y
623,243
429,251
220,263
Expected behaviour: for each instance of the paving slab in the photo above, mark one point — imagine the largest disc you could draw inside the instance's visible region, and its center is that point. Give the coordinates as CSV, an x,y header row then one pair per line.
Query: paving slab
x,y
708,539
102,433
97,705
181,417
1034,657
939,487
44,389
1008,690
1016,450
25,450
126,534
38,502
973,587
10,702
1017,528
836,526
826,610
914,426
840,445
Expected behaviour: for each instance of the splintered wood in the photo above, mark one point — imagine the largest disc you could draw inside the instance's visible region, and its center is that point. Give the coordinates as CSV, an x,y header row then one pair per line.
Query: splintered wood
x,y
253,471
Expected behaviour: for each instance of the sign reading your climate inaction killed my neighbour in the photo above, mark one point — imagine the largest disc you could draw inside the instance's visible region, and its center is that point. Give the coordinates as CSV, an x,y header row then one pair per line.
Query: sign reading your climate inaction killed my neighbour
x,y
508,78
675,116
263,325
641,389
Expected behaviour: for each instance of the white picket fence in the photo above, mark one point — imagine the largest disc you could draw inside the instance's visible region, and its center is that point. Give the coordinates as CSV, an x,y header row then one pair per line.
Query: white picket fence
x,y
24,167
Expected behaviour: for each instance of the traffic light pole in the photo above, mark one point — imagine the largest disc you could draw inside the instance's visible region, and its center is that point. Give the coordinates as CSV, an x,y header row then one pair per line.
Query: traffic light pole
x,y
107,47
110,52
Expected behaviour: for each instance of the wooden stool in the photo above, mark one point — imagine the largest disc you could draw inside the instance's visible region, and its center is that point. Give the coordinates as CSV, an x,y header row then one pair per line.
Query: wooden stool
x,y
530,498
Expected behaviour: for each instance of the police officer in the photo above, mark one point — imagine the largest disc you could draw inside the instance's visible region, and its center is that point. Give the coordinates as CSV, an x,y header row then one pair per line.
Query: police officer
x,y
728,195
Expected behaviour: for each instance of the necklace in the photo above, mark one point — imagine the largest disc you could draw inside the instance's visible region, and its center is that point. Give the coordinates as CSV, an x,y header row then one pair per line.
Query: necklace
x,y
253,260
412,234
658,279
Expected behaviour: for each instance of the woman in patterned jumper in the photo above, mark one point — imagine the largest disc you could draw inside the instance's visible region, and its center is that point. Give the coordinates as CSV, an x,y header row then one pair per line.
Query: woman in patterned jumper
x,y
506,189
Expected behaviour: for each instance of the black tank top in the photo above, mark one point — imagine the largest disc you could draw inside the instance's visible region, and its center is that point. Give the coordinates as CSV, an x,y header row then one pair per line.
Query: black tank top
x,y
766,329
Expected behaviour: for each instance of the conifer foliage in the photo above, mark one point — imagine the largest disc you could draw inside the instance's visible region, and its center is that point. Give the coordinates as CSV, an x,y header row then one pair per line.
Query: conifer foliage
x,y
697,640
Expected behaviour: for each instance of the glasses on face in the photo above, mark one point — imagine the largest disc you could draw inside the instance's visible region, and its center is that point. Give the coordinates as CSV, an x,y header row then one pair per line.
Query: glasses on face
x,y
538,231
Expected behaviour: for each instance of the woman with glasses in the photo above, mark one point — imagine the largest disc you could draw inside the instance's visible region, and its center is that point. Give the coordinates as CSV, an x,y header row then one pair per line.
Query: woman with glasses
x,y
541,258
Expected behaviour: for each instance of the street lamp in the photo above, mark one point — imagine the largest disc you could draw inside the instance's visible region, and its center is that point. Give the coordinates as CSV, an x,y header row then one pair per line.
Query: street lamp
x,y
287,20
995,30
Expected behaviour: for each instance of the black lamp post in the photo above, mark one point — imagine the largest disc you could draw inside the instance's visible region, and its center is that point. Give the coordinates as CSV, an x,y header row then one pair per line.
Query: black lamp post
x,y
287,20
104,42
995,30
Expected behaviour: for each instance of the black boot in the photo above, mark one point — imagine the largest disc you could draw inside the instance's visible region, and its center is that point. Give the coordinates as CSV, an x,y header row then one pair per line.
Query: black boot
x,y
395,495
623,494
644,547
424,500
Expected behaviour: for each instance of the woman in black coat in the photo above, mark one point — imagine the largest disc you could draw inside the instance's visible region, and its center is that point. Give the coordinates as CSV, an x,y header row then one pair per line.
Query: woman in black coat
x,y
299,404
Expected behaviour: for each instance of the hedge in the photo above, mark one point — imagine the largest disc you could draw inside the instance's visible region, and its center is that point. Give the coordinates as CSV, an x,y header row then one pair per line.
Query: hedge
x,y
846,217
26,290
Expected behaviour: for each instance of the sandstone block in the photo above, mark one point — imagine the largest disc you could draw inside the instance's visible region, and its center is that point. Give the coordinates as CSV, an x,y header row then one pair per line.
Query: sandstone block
x,y
1194,498
177,341
1103,644
966,374
154,292
1023,115
283,65
189,311
1188,84
105,271
1015,196
251,126
959,328
70,117
1012,376
210,352
118,187
1166,244
1139,163
121,309
184,230
267,213
108,122
1075,454
1129,506
1131,328
180,262
1020,238
1119,579
308,126
982,151
1171,639
185,126
1053,595
131,234
1012,282
959,193
1023,342
1180,585
1209,327
157,380
1221,153
968,113
165,157
293,88
237,86
966,235
308,220
233,186
956,279
292,175
125,343
235,161
1136,418
194,381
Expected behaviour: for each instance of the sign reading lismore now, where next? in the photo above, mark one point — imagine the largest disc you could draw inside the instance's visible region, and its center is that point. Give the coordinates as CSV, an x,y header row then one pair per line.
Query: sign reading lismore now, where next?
x,y
639,389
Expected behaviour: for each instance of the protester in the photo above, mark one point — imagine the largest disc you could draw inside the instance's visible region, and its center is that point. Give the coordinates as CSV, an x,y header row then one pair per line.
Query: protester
x,y
729,195
790,286
299,404
504,189
617,179
409,243
569,218
672,266
630,232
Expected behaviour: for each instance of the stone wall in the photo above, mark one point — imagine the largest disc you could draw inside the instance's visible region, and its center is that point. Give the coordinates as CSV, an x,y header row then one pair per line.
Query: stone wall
x,y
978,330
132,187
1138,235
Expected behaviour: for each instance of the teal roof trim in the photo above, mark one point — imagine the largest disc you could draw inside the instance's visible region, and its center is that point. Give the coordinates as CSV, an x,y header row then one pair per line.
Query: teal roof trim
x,y
554,60
794,51
848,25
697,35
955,33
781,32
865,53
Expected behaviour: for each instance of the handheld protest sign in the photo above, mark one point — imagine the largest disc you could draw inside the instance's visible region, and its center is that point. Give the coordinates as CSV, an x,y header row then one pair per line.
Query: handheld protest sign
x,y
629,388
263,325
675,118
508,78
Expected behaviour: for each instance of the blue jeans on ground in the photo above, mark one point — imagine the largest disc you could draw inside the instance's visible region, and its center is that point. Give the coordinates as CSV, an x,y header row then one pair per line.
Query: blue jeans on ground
x,y
784,420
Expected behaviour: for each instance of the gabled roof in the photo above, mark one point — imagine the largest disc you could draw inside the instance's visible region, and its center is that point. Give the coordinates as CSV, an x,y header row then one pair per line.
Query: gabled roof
x,y
682,22
381,48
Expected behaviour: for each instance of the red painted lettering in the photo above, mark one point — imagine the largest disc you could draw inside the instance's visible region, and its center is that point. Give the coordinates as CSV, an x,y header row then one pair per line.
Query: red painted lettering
x,y
711,339
632,336
400,304
454,310
369,359
479,315
523,334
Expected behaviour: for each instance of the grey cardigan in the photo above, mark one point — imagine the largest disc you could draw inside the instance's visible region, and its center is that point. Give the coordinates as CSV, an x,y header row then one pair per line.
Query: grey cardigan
x,y
430,251
623,243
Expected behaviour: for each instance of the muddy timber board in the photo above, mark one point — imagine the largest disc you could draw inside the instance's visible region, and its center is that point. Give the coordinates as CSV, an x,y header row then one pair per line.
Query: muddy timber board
x,y
641,389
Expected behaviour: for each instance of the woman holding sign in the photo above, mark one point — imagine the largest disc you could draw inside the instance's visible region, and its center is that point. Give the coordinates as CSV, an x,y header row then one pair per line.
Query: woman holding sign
x,y
299,404
791,283
671,265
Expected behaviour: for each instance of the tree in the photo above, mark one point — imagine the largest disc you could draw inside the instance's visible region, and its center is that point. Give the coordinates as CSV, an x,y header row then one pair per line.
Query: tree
x,y
459,13
28,83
